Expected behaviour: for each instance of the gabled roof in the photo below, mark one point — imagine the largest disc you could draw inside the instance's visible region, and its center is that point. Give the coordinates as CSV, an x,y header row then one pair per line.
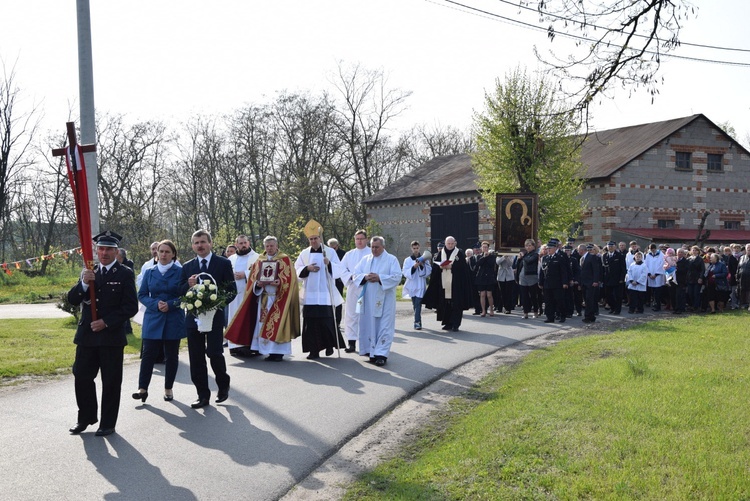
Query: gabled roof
x,y
606,151
440,176
602,154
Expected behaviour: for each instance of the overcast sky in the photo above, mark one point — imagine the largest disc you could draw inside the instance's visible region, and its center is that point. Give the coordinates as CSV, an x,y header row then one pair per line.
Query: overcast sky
x,y
167,60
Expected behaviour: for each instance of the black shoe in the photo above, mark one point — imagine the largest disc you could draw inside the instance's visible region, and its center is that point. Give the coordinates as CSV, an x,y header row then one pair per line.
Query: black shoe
x,y
142,396
588,320
329,352
380,361
274,357
446,327
103,432
562,320
549,320
201,402
313,356
454,329
168,397
79,427
351,348
222,395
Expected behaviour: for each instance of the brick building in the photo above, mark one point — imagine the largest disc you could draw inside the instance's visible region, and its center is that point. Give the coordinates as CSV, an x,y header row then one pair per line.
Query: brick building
x,y
649,182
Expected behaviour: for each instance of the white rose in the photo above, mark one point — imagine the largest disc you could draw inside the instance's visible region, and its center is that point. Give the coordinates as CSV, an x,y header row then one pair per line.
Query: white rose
x,y
213,297
189,294
212,287
201,287
198,303
206,281
200,295
189,306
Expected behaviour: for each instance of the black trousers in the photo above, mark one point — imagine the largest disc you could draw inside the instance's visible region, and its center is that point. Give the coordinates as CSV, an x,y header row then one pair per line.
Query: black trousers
x,y
450,313
591,299
152,350
554,302
200,345
89,361
614,297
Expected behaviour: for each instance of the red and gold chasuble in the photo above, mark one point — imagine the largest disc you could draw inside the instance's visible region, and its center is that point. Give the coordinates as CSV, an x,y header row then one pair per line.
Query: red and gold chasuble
x,y
281,323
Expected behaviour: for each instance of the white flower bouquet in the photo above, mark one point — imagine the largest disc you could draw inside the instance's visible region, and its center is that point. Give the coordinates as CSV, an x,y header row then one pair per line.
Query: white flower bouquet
x,y
203,297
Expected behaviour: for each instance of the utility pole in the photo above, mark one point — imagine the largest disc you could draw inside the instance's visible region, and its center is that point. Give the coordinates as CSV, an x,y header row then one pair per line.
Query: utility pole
x,y
87,110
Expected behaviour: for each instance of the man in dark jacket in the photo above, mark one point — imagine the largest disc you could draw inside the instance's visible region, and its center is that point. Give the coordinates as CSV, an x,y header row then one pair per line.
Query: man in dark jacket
x,y
207,344
591,278
100,343
555,280
614,276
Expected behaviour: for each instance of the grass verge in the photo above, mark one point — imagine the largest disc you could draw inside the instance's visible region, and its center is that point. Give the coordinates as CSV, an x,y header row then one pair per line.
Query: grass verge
x,y
41,347
20,288
656,412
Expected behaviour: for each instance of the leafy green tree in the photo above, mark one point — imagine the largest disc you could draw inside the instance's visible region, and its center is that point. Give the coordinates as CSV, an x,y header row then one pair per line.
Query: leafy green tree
x,y
526,141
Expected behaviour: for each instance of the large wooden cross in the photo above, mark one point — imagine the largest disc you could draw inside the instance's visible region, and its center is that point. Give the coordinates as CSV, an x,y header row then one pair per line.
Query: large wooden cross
x,y
73,154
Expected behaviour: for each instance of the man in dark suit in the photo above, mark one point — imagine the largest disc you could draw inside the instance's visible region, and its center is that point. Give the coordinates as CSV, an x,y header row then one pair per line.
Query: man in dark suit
x,y
614,276
100,343
591,278
202,344
555,280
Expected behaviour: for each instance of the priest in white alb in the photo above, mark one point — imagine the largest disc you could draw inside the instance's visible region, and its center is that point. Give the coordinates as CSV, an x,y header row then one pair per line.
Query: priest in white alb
x,y
241,261
378,274
351,317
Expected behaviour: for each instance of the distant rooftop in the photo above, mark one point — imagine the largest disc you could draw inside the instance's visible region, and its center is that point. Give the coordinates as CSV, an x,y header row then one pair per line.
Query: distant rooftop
x,y
603,153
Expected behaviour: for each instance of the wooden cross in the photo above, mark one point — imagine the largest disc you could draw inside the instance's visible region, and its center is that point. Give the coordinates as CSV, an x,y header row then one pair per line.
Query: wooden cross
x,y
77,178
85,148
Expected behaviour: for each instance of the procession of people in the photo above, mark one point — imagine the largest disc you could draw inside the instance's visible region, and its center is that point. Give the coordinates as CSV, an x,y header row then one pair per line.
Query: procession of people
x,y
272,299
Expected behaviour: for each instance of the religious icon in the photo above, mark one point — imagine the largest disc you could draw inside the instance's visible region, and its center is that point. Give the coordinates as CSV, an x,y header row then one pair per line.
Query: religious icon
x,y
517,219
269,272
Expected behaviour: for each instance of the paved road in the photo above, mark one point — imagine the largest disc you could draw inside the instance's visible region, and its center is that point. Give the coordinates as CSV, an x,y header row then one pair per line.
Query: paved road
x,y
280,422
42,310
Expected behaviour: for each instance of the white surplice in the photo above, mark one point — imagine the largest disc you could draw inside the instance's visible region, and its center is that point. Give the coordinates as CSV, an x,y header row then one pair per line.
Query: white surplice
x,y
351,317
318,286
377,316
240,263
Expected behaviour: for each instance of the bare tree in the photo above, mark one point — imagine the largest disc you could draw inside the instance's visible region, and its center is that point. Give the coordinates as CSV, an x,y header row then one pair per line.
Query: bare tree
x,y
51,202
617,42
17,129
253,144
367,107
132,163
307,144
428,142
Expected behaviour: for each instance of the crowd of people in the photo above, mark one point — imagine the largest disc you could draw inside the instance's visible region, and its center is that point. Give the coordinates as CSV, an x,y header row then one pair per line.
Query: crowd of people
x,y
559,281
271,299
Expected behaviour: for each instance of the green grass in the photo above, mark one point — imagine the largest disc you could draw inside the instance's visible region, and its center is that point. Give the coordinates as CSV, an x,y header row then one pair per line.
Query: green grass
x,y
19,288
42,347
659,411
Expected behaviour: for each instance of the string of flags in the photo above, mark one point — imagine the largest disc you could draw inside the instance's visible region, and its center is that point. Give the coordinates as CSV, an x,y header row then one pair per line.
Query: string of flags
x,y
16,265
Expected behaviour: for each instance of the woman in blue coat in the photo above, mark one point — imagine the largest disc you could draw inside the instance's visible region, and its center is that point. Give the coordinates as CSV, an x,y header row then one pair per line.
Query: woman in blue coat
x,y
164,320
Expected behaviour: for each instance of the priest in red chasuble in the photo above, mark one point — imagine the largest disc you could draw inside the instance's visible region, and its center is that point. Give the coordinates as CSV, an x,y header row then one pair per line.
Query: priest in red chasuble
x,y
268,318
